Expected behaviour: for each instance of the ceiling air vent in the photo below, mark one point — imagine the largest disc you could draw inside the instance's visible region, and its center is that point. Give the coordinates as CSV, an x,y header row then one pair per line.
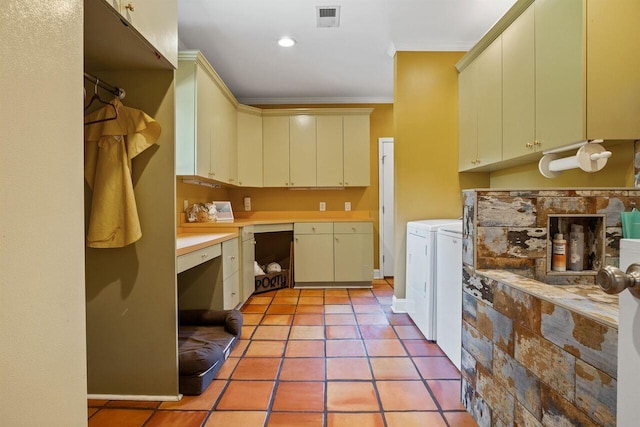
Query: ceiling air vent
x,y
328,16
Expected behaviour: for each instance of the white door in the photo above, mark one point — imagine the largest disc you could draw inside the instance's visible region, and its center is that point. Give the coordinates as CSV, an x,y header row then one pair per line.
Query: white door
x,y
385,150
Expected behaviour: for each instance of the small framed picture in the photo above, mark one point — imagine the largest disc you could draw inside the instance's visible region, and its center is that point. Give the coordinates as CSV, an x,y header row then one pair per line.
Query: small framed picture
x,y
224,211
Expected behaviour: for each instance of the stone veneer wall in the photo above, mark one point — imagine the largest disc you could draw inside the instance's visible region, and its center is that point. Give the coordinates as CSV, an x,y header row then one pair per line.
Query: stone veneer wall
x,y
526,361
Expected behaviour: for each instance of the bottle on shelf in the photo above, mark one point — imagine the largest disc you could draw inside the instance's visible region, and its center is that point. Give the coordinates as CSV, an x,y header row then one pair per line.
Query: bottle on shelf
x,y
559,253
576,248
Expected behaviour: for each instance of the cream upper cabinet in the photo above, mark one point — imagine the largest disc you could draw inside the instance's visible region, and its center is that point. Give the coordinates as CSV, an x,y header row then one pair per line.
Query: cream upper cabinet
x,y
302,151
518,87
467,119
249,147
224,155
480,110
155,21
329,151
275,154
560,80
356,149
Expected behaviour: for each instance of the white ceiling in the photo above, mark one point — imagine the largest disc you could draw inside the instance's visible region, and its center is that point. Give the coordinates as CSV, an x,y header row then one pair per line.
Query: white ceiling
x,y
352,63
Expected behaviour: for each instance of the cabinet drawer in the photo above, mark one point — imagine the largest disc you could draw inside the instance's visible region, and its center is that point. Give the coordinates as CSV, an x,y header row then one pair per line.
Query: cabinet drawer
x,y
313,228
231,291
246,232
230,261
353,227
194,258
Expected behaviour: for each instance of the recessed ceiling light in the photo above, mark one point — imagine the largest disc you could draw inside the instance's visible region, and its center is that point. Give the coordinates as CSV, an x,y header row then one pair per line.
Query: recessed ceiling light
x,y
286,42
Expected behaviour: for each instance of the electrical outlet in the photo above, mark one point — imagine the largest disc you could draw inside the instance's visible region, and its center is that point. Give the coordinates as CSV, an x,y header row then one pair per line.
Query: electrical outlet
x,y
185,205
323,206
347,206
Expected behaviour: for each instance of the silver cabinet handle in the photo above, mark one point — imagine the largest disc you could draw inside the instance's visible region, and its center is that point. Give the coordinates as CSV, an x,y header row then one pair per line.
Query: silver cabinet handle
x,y
130,7
204,255
612,280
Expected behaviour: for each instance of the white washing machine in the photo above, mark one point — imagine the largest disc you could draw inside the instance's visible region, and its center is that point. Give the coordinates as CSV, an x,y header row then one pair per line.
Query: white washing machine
x,y
449,291
421,272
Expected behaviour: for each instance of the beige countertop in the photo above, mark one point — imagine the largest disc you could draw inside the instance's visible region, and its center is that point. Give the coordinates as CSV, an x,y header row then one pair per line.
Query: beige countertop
x,y
189,242
588,300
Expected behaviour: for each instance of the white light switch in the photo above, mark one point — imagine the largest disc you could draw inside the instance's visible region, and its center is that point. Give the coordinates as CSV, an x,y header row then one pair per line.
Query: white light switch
x,y
323,206
347,206
185,205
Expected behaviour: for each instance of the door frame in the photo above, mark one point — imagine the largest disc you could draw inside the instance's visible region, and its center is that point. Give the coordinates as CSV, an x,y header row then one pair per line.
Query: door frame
x,y
380,273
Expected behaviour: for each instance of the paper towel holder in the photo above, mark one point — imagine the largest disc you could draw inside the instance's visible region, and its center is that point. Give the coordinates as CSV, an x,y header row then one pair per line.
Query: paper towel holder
x,y
591,157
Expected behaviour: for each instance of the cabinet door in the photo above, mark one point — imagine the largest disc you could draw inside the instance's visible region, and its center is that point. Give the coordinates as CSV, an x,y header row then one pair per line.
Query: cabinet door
x,y
275,154
329,151
560,80
230,259
231,291
518,87
489,103
353,257
249,149
313,258
223,137
357,155
302,151
248,278
205,92
186,123
467,119
157,22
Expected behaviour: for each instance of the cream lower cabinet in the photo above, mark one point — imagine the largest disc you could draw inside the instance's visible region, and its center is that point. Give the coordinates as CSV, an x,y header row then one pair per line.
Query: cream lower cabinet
x,y
247,257
230,274
333,254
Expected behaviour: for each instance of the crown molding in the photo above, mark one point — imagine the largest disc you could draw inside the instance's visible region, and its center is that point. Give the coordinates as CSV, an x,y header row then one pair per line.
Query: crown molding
x,y
320,100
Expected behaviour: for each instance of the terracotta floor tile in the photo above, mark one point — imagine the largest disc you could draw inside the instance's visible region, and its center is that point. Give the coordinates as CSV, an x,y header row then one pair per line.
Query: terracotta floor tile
x,y
363,300
236,418
384,291
296,419
277,319
405,396
263,300
177,419
305,348
339,319
120,417
246,395
436,368
311,292
338,309
414,419
285,300
203,402
281,309
345,348
253,308
348,368
360,293
300,332
337,300
369,308
371,319
460,419
97,402
378,282
336,293
302,369
377,332
251,318
91,411
133,404
351,397
369,419
278,333
239,349
447,393
311,300
289,292
409,332
299,396
310,309
340,332
397,319
265,349
377,348
247,332
257,368
393,368
308,319
227,368
422,348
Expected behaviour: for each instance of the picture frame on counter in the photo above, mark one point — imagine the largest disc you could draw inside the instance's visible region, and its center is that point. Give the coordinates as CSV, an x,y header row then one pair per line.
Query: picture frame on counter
x,y
224,211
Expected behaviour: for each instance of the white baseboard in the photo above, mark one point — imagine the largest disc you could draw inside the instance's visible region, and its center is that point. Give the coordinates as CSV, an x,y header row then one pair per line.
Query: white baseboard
x,y
141,397
377,274
398,305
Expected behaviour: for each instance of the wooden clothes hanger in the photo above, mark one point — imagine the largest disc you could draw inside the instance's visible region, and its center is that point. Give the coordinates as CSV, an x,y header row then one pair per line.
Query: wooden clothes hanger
x,y
96,97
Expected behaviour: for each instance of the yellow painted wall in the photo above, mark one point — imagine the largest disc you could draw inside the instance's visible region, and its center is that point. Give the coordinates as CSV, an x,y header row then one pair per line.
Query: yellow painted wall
x,y
425,112
282,199
618,172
